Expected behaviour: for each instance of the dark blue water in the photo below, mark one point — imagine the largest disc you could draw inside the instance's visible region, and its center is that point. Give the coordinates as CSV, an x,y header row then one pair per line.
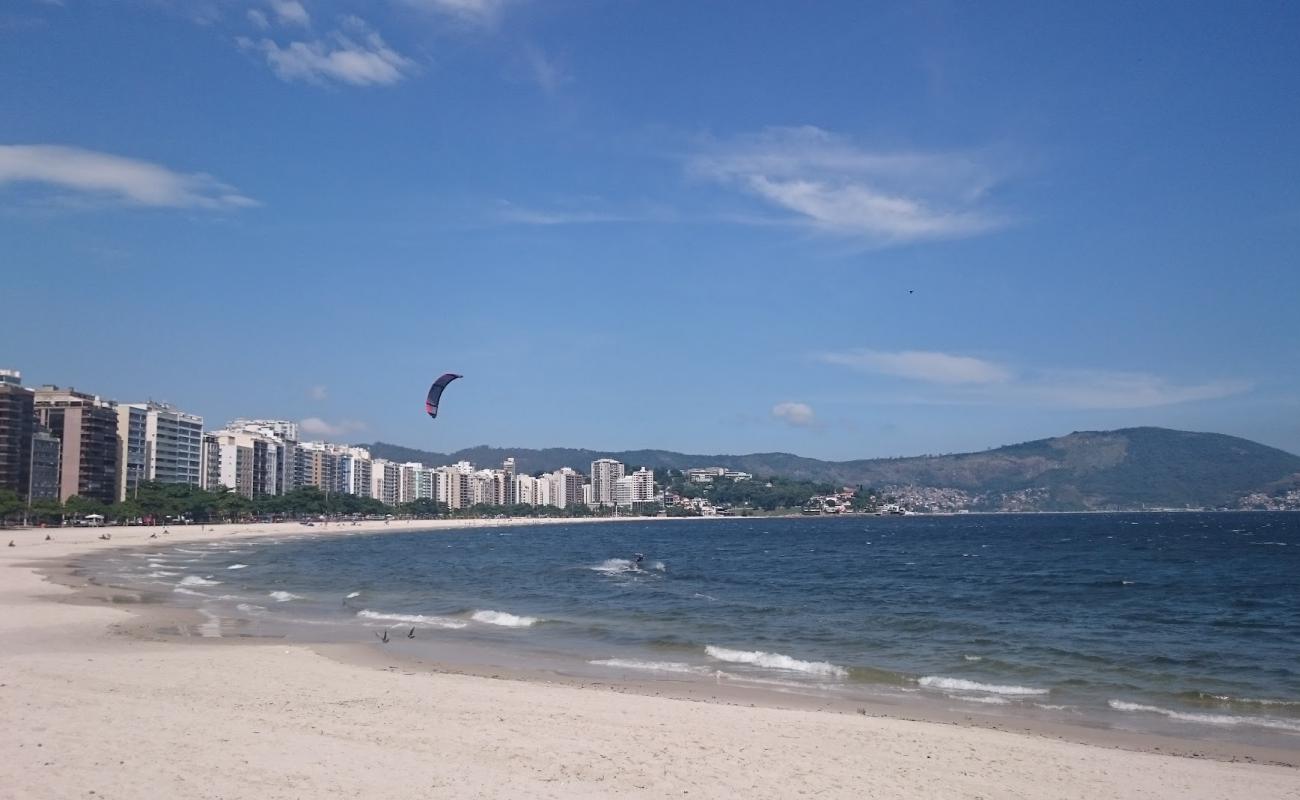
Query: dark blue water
x,y
1177,619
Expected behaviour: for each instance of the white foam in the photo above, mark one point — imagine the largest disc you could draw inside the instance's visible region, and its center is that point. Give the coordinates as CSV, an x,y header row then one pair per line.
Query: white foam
x,y
1208,719
183,590
991,699
503,619
161,574
283,597
615,566
352,595
653,666
211,629
410,619
973,658
249,608
962,685
237,566
775,661
195,580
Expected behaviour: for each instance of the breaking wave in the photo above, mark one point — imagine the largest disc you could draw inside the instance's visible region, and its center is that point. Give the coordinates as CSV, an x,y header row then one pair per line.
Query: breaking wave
x,y
962,685
283,597
195,580
411,619
503,619
237,566
776,661
1207,719
653,666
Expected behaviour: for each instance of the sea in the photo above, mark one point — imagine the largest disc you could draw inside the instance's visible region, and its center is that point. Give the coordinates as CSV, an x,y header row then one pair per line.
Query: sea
x,y
1177,623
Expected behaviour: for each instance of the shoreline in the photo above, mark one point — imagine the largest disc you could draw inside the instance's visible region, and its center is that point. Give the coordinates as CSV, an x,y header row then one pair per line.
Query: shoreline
x,y
55,624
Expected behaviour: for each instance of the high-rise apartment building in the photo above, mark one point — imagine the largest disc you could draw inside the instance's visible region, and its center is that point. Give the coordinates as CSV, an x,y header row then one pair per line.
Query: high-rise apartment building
x,y
159,443
86,428
566,487
604,472
639,487
245,461
17,419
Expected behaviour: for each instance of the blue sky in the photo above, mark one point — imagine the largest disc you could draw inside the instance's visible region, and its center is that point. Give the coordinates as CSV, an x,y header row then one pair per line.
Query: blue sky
x,y
836,229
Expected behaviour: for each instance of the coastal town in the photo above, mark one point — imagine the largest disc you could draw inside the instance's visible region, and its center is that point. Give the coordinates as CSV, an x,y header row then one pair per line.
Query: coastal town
x,y
82,455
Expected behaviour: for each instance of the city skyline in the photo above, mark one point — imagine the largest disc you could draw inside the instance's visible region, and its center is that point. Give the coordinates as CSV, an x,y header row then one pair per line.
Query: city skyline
x,y
942,229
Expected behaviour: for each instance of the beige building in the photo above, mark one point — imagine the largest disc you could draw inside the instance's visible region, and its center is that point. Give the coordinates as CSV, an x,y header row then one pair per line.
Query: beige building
x,y
86,428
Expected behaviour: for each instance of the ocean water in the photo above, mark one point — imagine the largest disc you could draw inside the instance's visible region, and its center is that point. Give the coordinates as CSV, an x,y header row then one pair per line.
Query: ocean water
x,y
1180,623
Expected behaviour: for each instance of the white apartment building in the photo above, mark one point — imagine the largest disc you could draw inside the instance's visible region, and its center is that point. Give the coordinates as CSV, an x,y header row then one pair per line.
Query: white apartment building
x,y
159,443
526,490
604,472
639,487
566,487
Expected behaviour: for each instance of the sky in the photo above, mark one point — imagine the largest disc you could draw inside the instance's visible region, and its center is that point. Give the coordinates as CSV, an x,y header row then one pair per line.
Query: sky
x,y
838,229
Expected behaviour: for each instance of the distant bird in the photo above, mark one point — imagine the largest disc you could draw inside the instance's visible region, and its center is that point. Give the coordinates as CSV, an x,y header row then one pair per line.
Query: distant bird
x,y
383,638
909,291
11,543
153,536
410,634
49,538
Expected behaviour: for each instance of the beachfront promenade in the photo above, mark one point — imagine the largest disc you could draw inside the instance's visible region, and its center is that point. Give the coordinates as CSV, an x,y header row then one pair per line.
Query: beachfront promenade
x,y
92,711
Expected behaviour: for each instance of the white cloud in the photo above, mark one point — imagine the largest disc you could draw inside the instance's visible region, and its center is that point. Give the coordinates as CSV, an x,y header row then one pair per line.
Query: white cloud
x,y
544,71
826,182
125,179
316,426
482,12
799,415
965,379
291,12
509,212
921,365
258,19
318,392
1116,390
355,55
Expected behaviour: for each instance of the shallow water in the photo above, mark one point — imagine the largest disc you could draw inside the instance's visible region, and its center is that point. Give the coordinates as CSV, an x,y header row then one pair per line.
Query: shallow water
x,y
1185,623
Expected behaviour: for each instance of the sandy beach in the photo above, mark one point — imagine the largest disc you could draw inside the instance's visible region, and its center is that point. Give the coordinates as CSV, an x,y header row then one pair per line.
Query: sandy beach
x,y
93,710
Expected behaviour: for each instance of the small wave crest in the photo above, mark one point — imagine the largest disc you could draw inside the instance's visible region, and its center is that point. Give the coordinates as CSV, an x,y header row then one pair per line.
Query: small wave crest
x,y
195,580
237,566
653,666
1207,719
503,619
963,685
283,597
411,619
776,661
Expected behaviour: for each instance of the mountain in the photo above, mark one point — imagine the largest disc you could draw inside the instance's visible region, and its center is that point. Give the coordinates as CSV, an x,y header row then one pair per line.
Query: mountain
x,y
1132,468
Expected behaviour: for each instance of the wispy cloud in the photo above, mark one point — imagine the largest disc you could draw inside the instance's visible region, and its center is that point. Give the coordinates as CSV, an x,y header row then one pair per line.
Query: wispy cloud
x,y
544,71
355,54
521,215
318,392
799,415
257,19
966,379
291,12
921,365
479,12
826,182
122,179
315,426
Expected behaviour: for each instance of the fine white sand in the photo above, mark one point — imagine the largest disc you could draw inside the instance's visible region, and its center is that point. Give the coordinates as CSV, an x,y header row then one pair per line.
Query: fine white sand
x,y
88,712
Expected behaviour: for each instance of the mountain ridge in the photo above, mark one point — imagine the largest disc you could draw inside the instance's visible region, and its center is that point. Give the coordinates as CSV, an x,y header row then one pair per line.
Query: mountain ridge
x,y
1127,468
